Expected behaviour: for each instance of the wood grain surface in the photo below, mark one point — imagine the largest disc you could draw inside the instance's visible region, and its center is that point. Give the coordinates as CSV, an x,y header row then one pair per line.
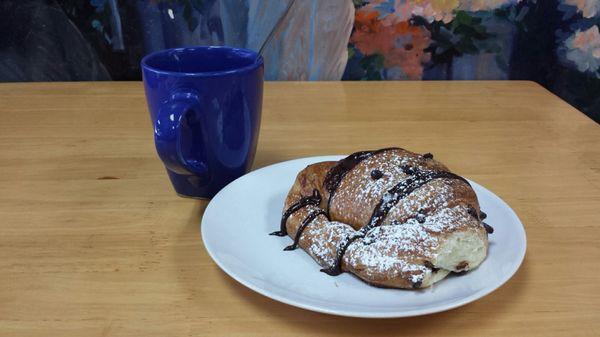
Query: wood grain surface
x,y
94,242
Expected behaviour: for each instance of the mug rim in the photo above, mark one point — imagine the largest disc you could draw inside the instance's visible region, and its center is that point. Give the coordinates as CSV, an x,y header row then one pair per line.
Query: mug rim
x,y
258,62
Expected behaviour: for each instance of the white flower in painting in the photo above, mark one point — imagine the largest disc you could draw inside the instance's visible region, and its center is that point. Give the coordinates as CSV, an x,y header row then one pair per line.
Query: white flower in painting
x,y
588,8
485,5
392,11
583,49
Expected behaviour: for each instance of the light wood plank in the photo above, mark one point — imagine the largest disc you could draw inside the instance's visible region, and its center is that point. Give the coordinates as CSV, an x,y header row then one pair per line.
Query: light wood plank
x,y
123,257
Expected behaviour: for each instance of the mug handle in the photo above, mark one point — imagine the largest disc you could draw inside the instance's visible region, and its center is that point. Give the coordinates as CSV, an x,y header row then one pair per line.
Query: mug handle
x,y
167,133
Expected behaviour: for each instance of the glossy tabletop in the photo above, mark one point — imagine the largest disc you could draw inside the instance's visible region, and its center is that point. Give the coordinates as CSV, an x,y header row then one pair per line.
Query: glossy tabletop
x,y
94,242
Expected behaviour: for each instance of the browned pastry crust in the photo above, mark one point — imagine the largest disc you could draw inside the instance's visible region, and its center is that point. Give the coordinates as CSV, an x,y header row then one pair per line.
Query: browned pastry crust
x,y
432,225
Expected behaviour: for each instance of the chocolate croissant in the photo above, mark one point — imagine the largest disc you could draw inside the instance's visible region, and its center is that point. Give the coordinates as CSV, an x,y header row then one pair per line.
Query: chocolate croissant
x,y
391,217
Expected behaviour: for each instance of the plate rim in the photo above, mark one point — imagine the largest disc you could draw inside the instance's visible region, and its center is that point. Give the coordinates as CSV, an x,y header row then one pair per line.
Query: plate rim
x,y
353,313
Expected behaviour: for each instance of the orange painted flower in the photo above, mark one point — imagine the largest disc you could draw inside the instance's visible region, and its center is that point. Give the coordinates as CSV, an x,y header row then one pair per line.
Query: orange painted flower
x,y
400,43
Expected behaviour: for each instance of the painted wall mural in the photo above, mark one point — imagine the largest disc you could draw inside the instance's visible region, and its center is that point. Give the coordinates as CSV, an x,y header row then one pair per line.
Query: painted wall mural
x,y
553,42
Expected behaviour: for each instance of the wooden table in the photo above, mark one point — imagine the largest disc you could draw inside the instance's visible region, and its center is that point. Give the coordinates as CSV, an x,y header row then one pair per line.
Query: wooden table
x,y
94,242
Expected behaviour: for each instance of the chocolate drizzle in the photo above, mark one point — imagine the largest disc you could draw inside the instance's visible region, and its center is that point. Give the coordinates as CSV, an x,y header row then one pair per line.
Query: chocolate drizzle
x,y
312,216
430,265
401,190
376,174
480,217
390,199
417,284
336,269
416,178
314,199
472,212
336,174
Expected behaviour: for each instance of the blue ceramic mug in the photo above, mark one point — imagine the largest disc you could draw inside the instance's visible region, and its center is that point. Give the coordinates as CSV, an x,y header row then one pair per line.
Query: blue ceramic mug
x,y
205,104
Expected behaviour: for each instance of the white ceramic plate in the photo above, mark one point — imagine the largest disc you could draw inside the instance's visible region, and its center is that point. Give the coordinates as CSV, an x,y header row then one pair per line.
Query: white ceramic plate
x,y
236,227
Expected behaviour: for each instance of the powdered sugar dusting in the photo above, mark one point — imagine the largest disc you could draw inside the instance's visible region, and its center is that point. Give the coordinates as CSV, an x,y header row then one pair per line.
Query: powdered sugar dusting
x,y
325,240
433,195
399,249
414,228
390,249
358,193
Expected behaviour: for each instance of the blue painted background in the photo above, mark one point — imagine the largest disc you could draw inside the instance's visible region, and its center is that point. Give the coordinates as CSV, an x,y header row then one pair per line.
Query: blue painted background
x,y
553,42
